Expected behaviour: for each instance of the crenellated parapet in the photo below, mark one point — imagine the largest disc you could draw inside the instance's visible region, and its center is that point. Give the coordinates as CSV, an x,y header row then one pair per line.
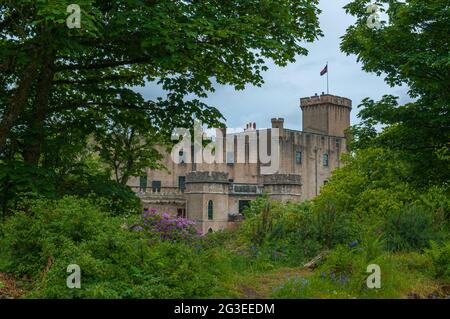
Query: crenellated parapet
x,y
325,99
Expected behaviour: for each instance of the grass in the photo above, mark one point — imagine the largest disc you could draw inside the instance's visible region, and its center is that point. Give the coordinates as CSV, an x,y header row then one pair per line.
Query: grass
x,y
302,283
404,275
398,280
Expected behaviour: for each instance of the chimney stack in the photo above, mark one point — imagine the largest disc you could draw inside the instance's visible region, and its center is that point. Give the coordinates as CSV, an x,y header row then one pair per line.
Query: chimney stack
x,y
278,123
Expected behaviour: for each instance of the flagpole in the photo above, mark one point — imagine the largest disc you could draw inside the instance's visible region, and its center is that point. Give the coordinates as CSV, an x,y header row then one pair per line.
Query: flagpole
x,y
328,83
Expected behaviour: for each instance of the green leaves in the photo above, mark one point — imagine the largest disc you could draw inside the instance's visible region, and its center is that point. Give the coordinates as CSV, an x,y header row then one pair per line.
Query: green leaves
x,y
186,46
412,49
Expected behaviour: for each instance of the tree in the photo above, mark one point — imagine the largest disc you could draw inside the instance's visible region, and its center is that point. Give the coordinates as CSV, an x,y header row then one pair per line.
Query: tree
x,y
411,49
48,69
128,149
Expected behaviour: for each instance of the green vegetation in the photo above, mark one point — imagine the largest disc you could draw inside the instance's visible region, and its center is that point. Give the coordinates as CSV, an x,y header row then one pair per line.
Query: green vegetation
x,y
388,205
403,231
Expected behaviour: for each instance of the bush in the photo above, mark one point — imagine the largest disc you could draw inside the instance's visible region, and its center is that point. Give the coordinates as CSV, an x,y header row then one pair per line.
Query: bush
x,y
332,225
115,262
112,197
277,232
19,182
440,258
30,239
411,229
132,269
164,227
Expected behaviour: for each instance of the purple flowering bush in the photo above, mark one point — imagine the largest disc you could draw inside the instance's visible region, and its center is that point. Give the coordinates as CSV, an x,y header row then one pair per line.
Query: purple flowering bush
x,y
165,227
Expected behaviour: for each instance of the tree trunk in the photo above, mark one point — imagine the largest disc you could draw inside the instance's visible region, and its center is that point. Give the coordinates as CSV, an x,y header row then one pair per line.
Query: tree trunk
x,y
17,103
33,144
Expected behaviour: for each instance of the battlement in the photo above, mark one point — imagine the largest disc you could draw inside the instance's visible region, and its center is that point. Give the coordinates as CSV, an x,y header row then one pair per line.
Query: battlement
x,y
207,177
282,179
326,99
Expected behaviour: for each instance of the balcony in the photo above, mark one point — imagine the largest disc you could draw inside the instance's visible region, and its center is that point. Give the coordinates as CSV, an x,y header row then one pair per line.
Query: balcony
x,y
245,189
162,195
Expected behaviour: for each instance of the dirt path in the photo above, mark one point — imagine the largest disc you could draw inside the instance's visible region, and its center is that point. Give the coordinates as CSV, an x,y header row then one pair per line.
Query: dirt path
x,y
8,288
261,286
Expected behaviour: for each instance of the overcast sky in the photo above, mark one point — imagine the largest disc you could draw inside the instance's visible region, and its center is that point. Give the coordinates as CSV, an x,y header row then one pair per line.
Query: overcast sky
x,y
283,88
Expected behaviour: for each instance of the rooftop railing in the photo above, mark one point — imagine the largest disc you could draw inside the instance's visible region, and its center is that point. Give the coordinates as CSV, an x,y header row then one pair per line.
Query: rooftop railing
x,y
160,191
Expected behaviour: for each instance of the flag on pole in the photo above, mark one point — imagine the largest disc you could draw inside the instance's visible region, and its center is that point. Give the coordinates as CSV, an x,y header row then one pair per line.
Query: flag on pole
x,y
324,71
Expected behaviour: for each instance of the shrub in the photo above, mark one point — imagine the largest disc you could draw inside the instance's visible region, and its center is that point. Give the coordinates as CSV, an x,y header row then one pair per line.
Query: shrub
x,y
278,232
115,261
30,239
410,228
132,269
19,182
332,225
110,196
440,258
162,226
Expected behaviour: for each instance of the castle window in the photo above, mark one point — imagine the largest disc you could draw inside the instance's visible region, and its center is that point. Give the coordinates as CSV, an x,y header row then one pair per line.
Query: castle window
x,y
181,213
143,183
210,210
230,158
156,186
182,182
325,159
193,158
298,157
243,205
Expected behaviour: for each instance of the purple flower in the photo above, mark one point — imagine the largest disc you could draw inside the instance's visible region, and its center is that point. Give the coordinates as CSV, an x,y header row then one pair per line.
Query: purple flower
x,y
167,227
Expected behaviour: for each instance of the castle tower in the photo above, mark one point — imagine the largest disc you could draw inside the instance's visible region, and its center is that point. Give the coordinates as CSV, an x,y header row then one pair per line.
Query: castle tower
x,y
207,199
326,114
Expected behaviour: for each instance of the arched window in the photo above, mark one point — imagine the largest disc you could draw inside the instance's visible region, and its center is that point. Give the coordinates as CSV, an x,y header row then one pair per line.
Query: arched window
x,y
325,159
298,157
210,210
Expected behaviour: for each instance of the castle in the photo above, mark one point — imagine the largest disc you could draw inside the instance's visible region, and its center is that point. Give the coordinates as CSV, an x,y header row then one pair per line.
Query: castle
x,y
213,195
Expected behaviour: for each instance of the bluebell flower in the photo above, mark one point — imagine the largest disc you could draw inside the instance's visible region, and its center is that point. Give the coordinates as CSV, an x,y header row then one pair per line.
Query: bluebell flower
x,y
353,244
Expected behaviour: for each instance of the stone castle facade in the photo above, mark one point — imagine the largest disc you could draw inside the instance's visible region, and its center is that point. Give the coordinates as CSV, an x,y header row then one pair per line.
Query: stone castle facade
x,y
214,195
